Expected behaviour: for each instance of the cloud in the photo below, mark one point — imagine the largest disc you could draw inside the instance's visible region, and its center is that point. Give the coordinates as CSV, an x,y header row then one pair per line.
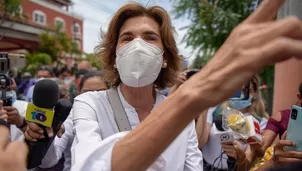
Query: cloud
x,y
97,15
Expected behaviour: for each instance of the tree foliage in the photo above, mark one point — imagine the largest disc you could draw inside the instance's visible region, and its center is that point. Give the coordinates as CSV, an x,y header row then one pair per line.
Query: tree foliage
x,y
35,60
94,61
56,43
10,7
211,23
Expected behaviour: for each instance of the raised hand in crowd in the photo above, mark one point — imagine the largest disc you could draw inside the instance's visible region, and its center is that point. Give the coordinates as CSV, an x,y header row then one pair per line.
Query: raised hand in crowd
x,y
34,132
181,78
253,44
282,156
13,116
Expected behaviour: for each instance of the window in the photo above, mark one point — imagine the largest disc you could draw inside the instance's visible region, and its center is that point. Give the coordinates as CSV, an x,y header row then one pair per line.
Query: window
x,y
39,17
59,22
76,29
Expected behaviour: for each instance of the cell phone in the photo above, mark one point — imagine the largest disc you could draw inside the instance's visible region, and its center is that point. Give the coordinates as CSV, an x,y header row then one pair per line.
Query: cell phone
x,y
242,96
294,128
192,72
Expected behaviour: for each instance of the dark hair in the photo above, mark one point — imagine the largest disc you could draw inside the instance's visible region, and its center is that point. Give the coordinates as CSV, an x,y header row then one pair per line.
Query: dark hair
x,y
300,88
44,68
90,75
65,69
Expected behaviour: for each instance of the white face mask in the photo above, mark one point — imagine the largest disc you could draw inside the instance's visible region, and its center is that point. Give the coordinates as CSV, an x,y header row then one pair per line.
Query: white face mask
x,y
138,63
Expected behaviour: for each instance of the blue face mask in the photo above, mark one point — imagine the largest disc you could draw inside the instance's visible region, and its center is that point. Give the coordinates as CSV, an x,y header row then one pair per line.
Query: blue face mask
x,y
240,104
66,80
11,94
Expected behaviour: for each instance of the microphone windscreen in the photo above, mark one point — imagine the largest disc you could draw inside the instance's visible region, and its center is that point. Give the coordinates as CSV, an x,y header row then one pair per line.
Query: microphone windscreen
x,y
46,94
218,122
63,108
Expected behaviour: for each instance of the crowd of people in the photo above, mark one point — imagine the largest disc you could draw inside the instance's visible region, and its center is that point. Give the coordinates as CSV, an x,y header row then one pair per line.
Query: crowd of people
x,y
141,112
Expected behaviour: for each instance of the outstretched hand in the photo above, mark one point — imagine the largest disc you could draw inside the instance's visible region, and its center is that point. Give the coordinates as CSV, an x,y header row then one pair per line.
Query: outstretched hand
x,y
253,44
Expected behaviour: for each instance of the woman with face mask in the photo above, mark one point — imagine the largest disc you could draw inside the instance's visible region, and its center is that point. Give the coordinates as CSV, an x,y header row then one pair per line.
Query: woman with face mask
x,y
139,56
212,149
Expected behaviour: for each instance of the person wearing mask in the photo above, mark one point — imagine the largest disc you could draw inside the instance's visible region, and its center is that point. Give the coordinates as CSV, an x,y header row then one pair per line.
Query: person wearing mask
x,y
136,33
213,151
256,42
92,81
43,72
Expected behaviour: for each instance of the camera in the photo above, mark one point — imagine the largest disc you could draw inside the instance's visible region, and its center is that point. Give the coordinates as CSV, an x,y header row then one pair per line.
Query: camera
x,y
294,114
192,72
8,62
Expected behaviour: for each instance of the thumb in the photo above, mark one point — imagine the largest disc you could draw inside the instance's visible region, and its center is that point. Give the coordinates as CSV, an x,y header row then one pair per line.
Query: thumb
x,y
1,104
284,136
61,131
49,131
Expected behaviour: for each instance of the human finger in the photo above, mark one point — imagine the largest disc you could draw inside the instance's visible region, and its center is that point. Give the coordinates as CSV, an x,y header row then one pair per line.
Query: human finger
x,y
283,143
28,137
266,11
8,108
278,50
35,128
49,131
61,131
290,27
284,160
284,135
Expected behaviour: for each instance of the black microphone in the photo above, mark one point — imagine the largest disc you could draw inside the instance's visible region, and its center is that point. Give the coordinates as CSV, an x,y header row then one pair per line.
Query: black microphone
x,y
218,121
45,100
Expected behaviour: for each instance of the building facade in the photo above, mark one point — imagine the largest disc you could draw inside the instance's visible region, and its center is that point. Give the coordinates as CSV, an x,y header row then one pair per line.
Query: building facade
x,y
37,17
288,74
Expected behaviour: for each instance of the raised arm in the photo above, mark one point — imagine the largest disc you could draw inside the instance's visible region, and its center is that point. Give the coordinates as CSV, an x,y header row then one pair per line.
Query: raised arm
x,y
256,42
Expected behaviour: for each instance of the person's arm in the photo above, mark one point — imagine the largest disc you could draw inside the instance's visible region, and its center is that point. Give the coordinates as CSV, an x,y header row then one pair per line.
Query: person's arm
x,y
206,124
200,125
55,151
269,136
193,157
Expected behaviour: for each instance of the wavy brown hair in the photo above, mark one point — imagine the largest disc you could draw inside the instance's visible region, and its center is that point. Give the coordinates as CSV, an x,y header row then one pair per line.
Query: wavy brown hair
x,y
106,51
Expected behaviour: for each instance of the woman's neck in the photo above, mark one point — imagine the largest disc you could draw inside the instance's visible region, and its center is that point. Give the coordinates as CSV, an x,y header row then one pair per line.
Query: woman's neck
x,y
141,98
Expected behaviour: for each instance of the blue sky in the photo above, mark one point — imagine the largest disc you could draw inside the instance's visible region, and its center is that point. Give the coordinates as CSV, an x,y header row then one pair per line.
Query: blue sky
x,y
97,14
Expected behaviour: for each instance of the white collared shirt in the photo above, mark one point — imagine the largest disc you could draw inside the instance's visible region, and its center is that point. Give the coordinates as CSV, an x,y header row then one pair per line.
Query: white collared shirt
x,y
96,133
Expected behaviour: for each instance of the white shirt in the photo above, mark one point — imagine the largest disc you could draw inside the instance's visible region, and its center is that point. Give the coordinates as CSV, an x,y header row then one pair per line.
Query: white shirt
x,y
60,146
96,133
16,133
212,149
